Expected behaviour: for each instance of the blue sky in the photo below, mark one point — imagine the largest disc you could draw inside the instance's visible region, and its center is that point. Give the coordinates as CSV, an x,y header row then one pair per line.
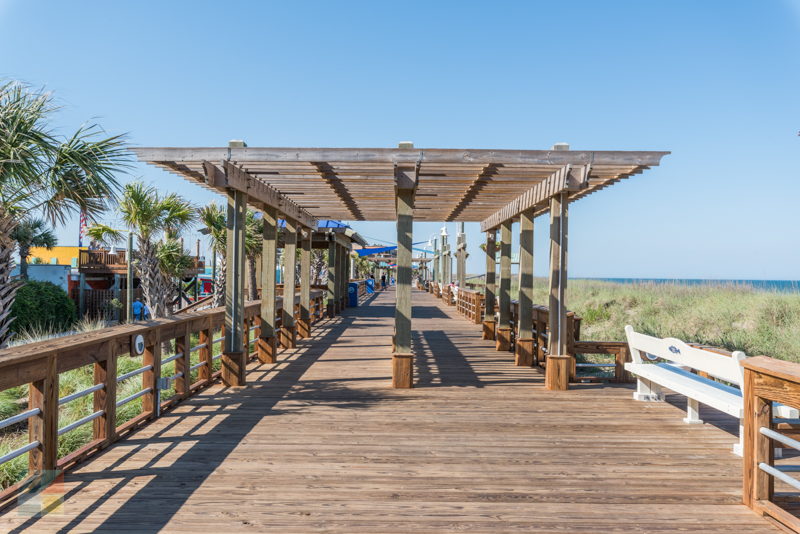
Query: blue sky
x,y
715,82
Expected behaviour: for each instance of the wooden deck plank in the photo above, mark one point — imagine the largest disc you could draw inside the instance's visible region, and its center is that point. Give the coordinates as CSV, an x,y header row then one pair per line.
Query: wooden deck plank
x,y
319,442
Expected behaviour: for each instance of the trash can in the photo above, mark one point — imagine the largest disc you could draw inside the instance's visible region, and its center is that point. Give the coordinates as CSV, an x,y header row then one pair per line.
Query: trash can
x,y
370,285
352,294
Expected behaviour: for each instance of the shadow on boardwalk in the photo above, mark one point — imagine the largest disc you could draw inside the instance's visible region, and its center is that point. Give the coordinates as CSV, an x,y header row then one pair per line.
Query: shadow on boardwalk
x,y
220,420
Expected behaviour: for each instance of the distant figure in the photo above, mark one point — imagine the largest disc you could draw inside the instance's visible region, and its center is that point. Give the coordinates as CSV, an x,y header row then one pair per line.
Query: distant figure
x,y
391,281
138,310
372,276
383,281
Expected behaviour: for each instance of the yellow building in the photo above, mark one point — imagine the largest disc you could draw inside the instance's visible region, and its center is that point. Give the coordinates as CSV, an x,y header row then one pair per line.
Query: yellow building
x,y
56,255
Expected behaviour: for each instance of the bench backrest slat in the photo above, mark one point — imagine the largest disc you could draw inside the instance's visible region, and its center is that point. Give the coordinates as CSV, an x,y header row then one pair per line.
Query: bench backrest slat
x,y
720,366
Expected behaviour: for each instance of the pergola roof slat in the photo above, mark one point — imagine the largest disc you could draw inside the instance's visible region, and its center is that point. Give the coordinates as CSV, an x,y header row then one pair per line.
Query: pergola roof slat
x,y
359,183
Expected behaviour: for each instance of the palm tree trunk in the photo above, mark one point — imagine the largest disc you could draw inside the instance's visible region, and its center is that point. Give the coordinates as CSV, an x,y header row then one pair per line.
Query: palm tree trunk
x,y
219,282
24,252
8,287
150,279
251,271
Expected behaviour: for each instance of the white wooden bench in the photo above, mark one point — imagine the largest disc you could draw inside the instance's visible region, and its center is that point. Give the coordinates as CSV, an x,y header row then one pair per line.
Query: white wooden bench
x,y
674,373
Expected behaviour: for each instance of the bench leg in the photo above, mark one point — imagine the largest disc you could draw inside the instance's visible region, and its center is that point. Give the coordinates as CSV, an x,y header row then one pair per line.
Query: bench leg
x,y
738,448
647,391
692,412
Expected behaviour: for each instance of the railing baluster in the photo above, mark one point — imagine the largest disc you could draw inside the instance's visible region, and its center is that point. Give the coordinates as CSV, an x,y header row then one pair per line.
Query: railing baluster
x,y
43,427
105,400
150,378
204,371
182,345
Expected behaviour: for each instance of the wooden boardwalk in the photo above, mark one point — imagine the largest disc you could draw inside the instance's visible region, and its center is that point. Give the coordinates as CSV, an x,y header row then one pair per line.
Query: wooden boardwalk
x,y
320,443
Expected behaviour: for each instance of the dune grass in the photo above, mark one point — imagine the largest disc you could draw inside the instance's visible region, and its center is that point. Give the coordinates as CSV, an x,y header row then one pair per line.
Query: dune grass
x,y
734,317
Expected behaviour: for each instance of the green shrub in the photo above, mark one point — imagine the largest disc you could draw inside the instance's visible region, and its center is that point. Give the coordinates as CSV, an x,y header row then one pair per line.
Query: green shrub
x,y
42,305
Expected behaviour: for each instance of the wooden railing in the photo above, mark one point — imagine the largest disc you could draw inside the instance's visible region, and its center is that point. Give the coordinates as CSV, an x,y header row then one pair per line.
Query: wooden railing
x,y
768,381
447,294
192,337
101,260
105,260
435,289
470,305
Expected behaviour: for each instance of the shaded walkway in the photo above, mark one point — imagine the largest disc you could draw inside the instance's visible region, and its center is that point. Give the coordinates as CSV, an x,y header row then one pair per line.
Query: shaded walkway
x,y
319,443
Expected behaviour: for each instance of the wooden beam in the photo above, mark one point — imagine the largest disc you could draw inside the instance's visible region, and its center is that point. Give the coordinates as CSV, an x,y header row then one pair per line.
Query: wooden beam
x,y
288,329
490,281
557,377
565,179
331,305
524,343
234,358
267,342
461,255
259,193
395,156
474,188
503,334
338,187
402,359
304,326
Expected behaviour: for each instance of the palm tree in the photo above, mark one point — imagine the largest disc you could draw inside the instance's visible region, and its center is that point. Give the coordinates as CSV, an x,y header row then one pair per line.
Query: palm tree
x,y
253,245
213,219
41,172
156,221
31,233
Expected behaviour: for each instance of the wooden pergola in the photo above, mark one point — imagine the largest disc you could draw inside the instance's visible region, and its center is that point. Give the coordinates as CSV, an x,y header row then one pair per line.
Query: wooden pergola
x,y
492,187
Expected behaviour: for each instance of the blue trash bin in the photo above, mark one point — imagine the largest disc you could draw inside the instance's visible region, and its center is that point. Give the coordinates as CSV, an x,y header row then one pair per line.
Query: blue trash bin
x,y
352,294
370,285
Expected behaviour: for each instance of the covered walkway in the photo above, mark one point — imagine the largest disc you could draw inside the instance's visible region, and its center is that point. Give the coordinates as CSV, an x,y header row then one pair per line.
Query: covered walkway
x,y
319,442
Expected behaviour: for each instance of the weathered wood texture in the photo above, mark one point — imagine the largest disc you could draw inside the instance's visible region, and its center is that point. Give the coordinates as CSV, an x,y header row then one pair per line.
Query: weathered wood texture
x,y
359,183
321,443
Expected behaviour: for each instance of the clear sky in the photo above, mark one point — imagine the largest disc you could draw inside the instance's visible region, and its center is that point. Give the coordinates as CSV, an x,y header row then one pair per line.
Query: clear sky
x,y
715,82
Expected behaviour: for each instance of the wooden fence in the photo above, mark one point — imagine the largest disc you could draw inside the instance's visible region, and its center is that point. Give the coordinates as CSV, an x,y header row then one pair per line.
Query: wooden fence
x,y
40,364
768,381
471,303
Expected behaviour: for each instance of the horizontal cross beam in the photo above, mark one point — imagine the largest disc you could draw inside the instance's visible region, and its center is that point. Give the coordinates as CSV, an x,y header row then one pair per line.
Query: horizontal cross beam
x,y
413,156
567,178
259,193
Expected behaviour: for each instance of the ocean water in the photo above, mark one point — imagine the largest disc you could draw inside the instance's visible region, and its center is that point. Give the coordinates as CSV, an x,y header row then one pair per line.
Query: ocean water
x,y
782,286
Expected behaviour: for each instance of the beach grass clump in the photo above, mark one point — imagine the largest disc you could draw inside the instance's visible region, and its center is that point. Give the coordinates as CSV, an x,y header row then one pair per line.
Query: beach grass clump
x,y
729,316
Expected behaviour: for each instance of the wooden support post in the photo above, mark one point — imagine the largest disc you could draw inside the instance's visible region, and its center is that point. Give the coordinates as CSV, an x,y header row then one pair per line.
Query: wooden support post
x,y
267,340
525,344
557,350
445,266
234,358
757,485
105,372
304,324
205,354
43,394
341,254
150,378
288,338
489,284
331,306
461,256
503,332
182,345
402,358
435,270
82,295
